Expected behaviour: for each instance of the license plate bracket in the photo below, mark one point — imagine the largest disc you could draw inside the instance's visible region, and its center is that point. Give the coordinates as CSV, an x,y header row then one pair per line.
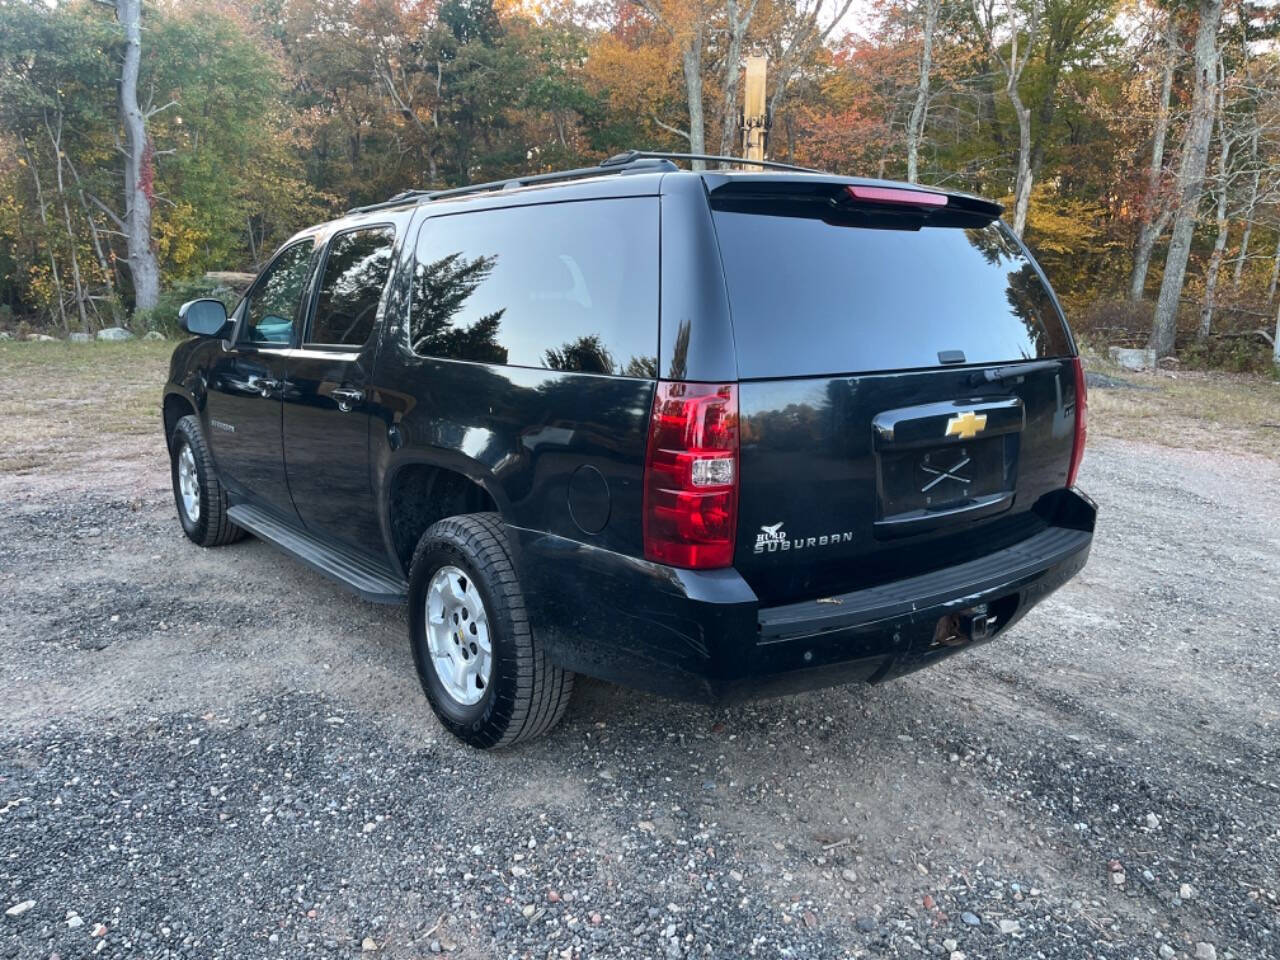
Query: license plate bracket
x,y
945,463
942,478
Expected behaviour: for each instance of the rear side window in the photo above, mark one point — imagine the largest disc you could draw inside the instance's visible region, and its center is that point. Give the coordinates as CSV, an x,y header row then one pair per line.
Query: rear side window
x,y
355,271
813,296
564,286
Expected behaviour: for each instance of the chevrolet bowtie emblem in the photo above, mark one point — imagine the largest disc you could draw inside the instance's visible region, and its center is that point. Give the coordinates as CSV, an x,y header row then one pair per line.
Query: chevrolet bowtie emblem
x,y
966,425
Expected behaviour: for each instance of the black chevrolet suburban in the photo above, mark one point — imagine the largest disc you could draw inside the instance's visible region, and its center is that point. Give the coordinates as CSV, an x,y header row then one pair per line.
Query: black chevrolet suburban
x,y
712,434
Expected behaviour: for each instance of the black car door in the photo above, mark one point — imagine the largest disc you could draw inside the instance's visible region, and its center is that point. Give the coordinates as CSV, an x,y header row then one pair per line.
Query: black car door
x,y
246,378
326,409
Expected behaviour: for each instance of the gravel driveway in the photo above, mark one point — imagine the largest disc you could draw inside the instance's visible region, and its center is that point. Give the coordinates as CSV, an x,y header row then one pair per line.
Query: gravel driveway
x,y
220,754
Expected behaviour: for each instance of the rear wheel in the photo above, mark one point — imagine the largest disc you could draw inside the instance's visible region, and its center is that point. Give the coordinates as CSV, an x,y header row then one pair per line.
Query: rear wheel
x,y
482,669
201,501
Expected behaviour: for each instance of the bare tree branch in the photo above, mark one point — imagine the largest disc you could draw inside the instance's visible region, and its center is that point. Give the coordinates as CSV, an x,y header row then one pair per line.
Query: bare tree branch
x,y
668,127
152,111
111,214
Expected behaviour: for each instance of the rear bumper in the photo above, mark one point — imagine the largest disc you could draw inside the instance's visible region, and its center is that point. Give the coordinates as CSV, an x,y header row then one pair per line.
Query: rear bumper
x,y
702,635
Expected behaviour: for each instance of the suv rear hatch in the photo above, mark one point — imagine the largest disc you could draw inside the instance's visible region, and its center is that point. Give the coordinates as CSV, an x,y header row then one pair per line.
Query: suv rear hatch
x,y
907,385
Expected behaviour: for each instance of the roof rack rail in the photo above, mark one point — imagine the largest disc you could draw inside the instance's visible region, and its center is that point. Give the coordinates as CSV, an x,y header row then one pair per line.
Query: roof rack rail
x,y
631,156
611,166
404,196
580,173
630,161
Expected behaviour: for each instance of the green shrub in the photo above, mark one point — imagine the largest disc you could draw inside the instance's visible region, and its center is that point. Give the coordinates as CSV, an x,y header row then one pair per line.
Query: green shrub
x,y
1234,354
164,316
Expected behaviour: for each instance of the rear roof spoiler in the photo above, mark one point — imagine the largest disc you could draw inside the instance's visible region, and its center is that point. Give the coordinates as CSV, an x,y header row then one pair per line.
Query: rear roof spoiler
x,y
820,186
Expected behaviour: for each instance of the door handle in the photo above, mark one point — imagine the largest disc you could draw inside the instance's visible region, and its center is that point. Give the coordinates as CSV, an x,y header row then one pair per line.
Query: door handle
x,y
346,396
265,385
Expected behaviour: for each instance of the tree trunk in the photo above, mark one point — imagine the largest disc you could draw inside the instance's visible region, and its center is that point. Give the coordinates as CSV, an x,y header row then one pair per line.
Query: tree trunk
x,y
1275,343
1012,68
915,123
1248,212
76,280
733,73
1245,237
1224,225
1190,186
98,250
1153,226
1275,273
1148,234
1215,258
138,164
386,73
1211,273
691,59
55,141
1022,187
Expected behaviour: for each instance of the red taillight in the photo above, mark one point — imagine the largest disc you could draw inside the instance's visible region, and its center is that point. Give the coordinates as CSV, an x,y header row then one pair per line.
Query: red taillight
x,y
1082,410
911,198
691,475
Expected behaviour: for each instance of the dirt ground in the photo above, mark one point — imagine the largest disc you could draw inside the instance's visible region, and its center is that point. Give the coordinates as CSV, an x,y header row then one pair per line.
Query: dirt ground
x,y
217,753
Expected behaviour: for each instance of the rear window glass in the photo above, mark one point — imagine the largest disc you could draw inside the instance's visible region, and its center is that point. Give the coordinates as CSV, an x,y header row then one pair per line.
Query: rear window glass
x,y
565,286
813,297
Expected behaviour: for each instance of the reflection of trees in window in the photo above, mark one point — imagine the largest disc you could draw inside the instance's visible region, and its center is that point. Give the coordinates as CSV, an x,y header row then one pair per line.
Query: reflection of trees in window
x,y
646,367
1028,299
791,428
588,354
680,353
994,246
441,289
1030,302
355,273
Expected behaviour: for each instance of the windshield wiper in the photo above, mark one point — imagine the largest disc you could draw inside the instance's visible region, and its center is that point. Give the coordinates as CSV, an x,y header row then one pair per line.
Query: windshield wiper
x,y
998,374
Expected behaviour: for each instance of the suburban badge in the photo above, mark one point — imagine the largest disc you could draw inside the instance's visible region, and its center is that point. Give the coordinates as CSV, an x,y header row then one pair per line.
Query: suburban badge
x,y
772,538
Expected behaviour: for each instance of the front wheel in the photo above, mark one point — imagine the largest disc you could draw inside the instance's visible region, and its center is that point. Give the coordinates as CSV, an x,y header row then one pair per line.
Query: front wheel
x,y
201,501
482,669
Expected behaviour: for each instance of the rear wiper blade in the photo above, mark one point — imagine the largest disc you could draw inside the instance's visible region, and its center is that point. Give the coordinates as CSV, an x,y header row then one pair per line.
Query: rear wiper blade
x,y
997,374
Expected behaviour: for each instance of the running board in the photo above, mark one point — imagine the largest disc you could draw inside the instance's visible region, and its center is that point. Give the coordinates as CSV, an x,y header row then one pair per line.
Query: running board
x,y
366,577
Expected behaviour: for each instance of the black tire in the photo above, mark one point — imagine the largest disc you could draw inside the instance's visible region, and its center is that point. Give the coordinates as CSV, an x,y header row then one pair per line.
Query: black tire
x,y
211,528
526,694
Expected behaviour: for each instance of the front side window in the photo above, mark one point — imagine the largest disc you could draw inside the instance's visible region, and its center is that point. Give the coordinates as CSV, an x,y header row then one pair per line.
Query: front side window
x,y
355,272
275,300
563,286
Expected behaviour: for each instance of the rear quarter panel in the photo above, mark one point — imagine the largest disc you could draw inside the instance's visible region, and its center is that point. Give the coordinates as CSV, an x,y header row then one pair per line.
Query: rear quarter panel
x,y
519,432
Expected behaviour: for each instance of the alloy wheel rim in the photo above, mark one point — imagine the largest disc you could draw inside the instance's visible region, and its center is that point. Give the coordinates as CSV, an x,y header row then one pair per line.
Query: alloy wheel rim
x,y
458,635
189,483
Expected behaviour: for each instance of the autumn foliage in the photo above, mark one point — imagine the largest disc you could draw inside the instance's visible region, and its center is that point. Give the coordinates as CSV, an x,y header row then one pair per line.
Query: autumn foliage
x,y
276,113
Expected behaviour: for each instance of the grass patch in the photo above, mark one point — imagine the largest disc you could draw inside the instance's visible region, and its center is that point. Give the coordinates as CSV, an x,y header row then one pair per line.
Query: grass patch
x,y
1203,411
57,399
